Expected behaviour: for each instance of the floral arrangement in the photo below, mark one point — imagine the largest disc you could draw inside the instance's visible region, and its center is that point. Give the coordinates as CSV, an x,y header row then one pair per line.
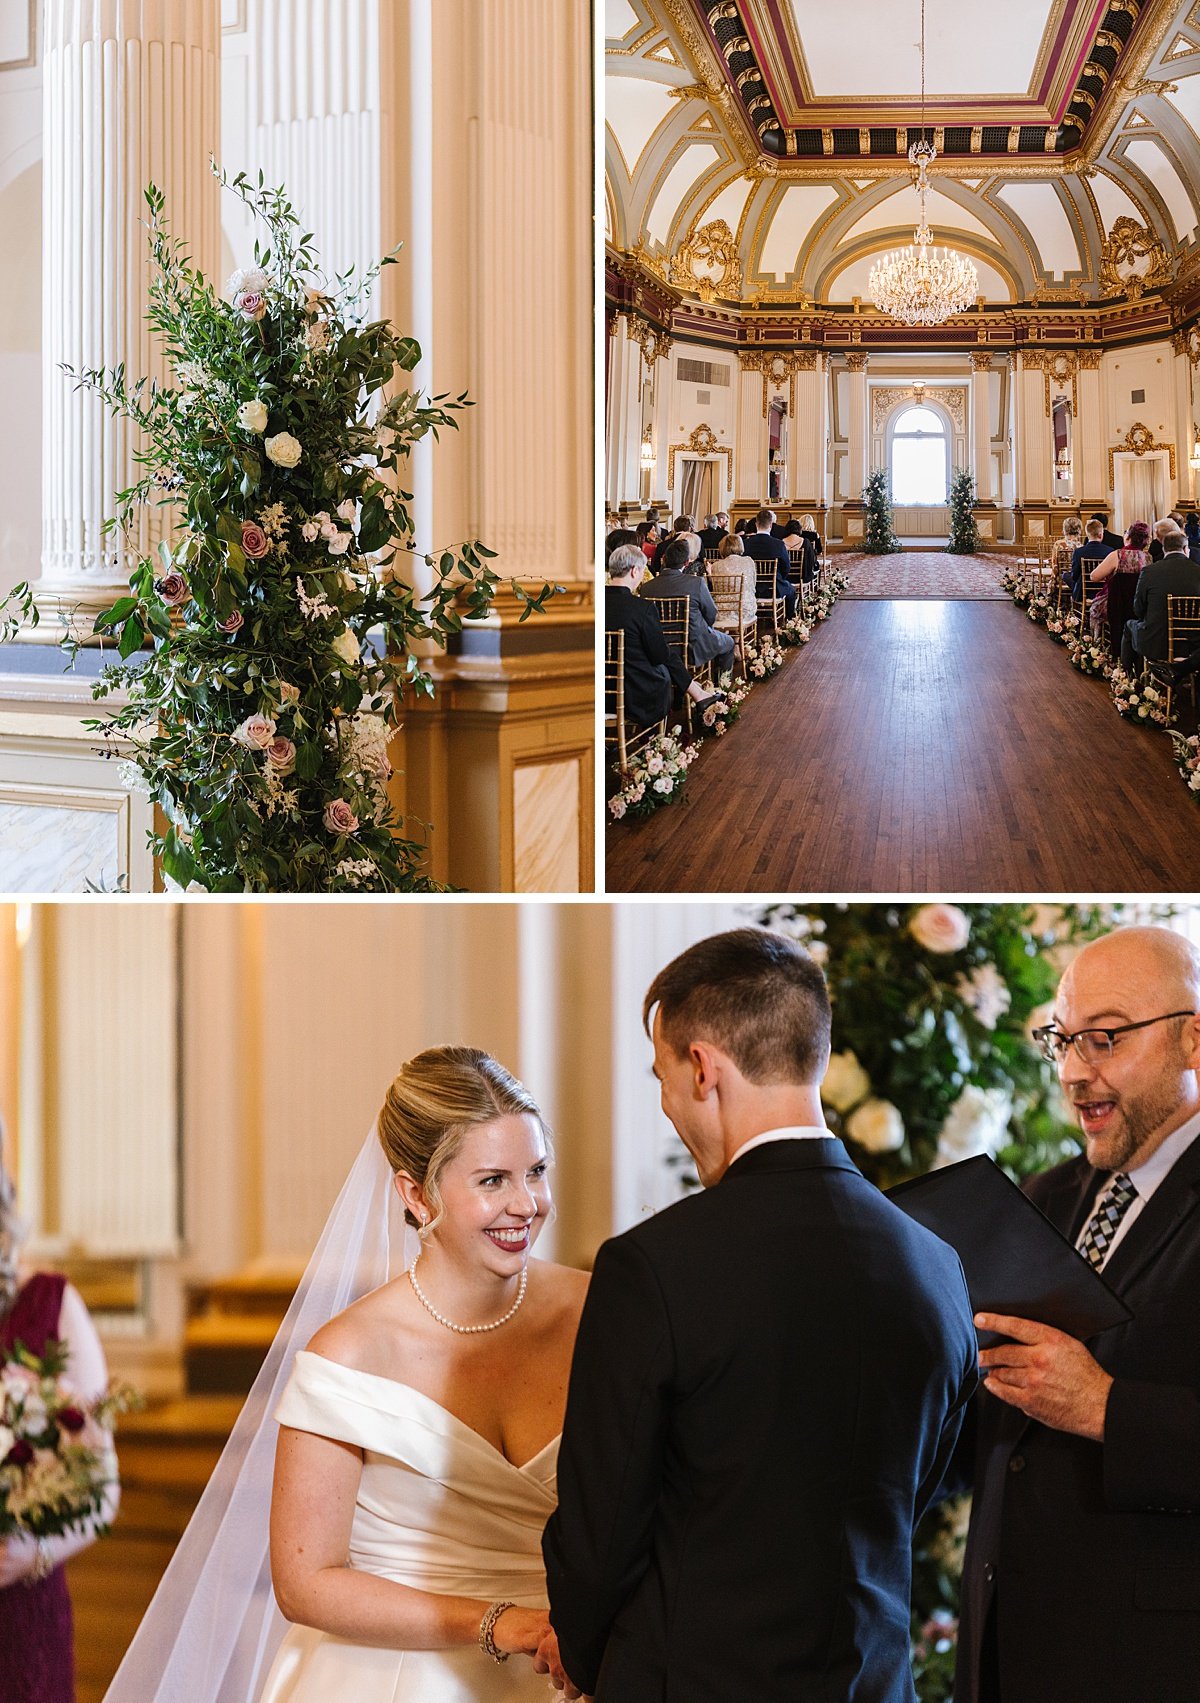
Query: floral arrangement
x,y
763,660
1062,627
1089,655
282,634
933,1061
795,631
964,533
1015,582
656,776
880,537
57,1461
720,716
1137,701
1039,608
1187,759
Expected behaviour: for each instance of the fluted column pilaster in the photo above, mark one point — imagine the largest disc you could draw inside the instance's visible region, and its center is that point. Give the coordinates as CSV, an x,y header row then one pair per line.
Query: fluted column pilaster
x,y
856,363
131,95
981,429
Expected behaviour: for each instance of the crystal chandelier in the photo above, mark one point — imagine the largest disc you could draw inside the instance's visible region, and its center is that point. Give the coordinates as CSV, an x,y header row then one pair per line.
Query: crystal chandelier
x,y
920,285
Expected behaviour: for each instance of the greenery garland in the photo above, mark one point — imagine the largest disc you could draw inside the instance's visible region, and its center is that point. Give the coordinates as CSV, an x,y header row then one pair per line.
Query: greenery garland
x,y
282,634
964,534
881,540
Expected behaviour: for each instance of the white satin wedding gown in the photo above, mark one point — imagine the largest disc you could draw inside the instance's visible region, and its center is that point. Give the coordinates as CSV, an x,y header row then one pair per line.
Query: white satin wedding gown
x,y
439,1508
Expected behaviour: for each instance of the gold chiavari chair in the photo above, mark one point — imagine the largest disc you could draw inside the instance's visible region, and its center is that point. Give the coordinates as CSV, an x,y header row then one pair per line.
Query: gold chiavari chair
x,y
727,595
772,610
674,614
1183,637
624,740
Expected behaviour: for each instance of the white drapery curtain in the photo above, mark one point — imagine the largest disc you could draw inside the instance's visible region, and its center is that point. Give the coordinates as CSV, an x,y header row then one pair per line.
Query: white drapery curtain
x,y
699,491
1142,488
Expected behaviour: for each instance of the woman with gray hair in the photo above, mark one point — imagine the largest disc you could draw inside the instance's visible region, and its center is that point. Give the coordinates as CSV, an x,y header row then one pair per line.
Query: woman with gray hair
x,y
37,1308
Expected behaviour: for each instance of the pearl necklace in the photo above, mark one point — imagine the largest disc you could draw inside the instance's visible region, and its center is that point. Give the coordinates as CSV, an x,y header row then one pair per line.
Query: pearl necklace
x,y
464,1330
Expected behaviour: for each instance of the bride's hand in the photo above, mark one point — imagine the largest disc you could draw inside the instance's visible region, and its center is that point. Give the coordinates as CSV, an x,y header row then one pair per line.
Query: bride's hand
x,y
519,1631
17,1557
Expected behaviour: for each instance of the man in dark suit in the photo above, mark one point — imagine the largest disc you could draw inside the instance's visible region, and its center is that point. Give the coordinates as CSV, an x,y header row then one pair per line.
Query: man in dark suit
x,y
1111,540
654,675
772,553
677,579
1085,557
683,524
767,1383
1081,1582
1176,575
715,528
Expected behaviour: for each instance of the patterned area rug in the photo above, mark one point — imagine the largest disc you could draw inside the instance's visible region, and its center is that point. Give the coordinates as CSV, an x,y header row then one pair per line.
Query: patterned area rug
x,y
925,573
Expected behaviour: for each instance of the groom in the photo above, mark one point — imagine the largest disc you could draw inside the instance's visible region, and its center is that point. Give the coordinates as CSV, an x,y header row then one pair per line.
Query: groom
x,y
768,1381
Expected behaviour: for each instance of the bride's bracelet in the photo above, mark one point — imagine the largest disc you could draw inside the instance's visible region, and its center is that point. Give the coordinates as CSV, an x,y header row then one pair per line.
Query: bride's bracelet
x,y
487,1627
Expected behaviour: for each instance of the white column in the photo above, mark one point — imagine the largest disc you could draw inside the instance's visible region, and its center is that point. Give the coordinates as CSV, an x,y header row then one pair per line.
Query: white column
x,y
1184,427
1089,452
130,96
981,429
626,375
808,436
1036,461
856,363
750,453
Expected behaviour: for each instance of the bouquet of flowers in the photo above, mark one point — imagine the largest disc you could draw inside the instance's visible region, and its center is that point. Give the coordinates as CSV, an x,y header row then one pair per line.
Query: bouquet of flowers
x,y
1063,627
1039,609
720,716
763,661
57,1461
1088,655
795,632
656,776
282,636
1187,759
1014,582
1137,702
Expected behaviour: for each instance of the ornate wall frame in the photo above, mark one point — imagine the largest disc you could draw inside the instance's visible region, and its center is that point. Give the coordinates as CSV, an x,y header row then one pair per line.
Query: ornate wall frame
x,y
1139,440
702,443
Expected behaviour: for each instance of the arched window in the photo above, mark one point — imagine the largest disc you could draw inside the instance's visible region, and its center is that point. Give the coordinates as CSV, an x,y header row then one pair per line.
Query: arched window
x,y
919,457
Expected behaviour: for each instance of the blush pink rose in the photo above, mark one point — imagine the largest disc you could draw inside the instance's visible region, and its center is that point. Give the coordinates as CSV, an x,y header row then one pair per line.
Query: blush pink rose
x,y
255,733
281,755
251,305
940,928
234,624
174,589
339,818
255,542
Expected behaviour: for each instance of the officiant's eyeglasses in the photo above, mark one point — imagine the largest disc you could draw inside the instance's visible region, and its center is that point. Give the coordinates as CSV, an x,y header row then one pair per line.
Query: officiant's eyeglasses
x,y
1093,1046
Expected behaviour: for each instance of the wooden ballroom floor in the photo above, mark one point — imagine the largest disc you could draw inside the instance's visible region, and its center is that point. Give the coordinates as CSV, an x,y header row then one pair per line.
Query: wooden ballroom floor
x,y
923,747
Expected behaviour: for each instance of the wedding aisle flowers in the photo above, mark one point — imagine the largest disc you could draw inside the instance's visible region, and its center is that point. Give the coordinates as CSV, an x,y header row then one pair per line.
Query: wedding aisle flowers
x,y
764,660
720,716
1187,759
284,633
57,1461
656,776
1137,701
1089,655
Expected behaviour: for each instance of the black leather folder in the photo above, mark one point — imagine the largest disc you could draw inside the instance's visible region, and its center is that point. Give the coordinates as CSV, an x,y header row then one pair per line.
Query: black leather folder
x,y
1015,1261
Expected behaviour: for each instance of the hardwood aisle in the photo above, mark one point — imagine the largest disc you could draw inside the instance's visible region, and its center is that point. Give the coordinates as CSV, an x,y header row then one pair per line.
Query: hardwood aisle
x,y
923,747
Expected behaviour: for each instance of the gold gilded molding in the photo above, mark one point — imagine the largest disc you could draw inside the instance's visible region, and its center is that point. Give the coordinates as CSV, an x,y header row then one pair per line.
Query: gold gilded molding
x,y
1089,360
885,399
1059,366
712,245
653,343
778,367
981,360
1138,440
702,442
1127,242
856,360
1187,343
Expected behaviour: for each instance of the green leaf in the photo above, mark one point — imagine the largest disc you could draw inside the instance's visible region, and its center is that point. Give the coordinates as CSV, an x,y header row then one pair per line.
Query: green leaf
x,y
133,637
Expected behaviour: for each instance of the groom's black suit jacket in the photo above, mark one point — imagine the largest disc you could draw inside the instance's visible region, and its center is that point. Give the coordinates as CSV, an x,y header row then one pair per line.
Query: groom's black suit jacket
x,y
1089,1553
767,1386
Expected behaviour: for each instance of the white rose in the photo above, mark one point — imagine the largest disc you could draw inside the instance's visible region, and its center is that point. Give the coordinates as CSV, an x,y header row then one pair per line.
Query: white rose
x,y
284,450
986,993
252,416
976,1123
339,544
846,1082
347,509
347,647
877,1126
940,928
309,531
255,733
247,281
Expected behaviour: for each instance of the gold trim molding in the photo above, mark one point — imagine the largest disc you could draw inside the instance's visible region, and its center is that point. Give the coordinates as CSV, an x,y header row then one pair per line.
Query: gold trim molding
x,y
653,343
712,245
885,399
1127,242
703,443
1139,440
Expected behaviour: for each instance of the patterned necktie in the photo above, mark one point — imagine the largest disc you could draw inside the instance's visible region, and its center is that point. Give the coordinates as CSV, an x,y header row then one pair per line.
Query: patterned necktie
x,y
1102,1225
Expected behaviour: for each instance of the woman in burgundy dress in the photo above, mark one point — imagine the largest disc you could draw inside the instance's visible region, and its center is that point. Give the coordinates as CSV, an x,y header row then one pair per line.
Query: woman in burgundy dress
x,y
36,1654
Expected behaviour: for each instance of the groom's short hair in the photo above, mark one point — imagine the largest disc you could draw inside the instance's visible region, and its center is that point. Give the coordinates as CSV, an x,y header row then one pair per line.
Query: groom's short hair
x,y
755,994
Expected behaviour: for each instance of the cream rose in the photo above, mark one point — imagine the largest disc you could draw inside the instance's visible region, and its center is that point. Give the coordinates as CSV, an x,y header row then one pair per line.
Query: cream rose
x,y
347,647
339,818
846,1082
940,928
984,992
976,1123
339,544
876,1126
284,450
255,733
252,416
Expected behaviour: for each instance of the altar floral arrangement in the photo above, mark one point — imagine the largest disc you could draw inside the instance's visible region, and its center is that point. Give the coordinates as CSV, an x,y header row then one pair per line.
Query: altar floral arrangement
x,y
1089,655
933,1061
656,776
720,716
763,660
1137,701
57,1462
283,635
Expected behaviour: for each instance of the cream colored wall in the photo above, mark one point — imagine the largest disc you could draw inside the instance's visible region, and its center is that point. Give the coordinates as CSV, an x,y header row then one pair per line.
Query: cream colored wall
x,y
21,376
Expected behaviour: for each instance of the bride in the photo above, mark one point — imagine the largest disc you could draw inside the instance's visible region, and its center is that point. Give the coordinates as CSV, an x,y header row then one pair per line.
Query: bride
x,y
418,1438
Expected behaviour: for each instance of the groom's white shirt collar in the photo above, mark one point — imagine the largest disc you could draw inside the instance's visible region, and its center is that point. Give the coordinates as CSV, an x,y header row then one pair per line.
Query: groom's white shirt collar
x,y
791,1132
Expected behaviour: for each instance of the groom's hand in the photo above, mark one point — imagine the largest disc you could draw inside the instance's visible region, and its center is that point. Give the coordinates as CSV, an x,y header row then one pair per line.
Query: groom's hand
x,y
548,1660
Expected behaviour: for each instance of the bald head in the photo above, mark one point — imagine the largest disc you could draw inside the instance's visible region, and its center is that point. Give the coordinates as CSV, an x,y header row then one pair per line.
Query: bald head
x,y
1131,962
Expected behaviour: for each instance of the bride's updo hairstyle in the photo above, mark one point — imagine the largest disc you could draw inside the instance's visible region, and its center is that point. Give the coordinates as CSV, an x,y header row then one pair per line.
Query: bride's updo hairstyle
x,y
438,1096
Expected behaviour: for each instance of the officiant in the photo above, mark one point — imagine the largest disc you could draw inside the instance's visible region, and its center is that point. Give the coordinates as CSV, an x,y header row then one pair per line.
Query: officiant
x,y
1081,1579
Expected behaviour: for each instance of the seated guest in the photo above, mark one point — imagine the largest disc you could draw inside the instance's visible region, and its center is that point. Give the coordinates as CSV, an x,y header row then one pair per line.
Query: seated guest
x,y
1111,541
1130,560
647,538
655,677
782,528
772,554
716,527
1175,576
1065,548
811,540
1155,552
617,539
683,523
653,518
1089,553
1191,528
732,559
679,578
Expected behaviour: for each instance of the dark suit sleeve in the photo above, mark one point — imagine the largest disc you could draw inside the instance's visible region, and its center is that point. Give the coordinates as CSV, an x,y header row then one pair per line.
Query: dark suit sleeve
x,y
597,1544
1141,595
951,1470
1152,1448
